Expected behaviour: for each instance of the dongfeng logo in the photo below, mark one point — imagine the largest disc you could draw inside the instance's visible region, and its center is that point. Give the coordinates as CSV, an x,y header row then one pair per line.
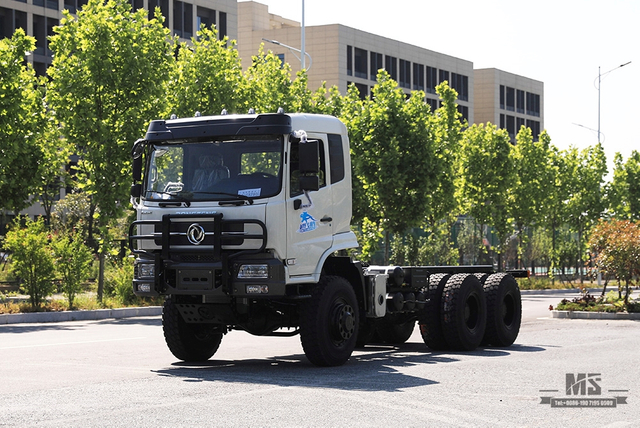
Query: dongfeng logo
x,y
195,234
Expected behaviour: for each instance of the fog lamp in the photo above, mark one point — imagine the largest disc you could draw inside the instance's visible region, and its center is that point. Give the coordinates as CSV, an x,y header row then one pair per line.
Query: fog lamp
x,y
253,271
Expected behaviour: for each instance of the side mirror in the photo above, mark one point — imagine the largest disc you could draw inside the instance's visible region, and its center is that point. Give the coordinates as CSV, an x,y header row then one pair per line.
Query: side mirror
x,y
309,182
137,169
309,157
136,190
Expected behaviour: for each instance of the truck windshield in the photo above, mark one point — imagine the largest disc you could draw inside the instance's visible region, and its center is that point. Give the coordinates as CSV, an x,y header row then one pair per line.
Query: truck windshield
x,y
225,169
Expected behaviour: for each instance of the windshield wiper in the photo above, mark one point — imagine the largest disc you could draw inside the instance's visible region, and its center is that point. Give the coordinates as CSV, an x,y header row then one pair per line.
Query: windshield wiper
x,y
176,200
239,199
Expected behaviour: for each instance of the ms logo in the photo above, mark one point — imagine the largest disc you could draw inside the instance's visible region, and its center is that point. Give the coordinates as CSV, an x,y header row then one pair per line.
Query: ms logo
x,y
583,384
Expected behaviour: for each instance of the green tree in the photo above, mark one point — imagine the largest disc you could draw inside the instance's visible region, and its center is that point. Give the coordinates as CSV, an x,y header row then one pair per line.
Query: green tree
x,y
623,192
107,79
73,263
52,172
31,259
21,120
206,77
586,202
532,176
554,210
485,177
267,84
393,155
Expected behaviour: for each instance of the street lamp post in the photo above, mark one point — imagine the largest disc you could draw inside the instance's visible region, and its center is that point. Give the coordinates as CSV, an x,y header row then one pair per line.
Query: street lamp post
x,y
599,81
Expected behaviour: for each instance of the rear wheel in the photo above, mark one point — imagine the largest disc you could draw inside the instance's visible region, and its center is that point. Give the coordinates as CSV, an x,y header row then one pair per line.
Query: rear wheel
x,y
430,323
329,322
504,309
464,312
188,342
393,333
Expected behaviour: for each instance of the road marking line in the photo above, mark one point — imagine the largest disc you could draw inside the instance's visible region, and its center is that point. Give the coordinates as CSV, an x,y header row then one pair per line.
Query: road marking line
x,y
70,343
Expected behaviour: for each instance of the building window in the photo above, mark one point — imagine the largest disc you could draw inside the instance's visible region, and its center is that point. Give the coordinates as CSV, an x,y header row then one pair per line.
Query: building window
x,y
360,63
40,68
206,17
533,104
501,99
433,104
222,26
391,65
510,99
502,124
363,90
534,125
460,83
464,111
52,4
135,4
418,77
10,20
520,101
520,122
164,9
349,61
432,79
405,74
511,127
183,19
375,60
444,75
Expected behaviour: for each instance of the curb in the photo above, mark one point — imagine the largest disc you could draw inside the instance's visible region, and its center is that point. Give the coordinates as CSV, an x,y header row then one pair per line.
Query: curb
x,y
99,314
583,315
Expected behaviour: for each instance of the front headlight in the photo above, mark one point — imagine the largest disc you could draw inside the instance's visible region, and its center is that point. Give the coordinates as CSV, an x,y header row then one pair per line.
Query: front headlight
x,y
146,270
253,271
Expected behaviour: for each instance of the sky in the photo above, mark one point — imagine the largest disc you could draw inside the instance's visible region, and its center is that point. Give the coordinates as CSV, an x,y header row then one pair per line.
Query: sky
x,y
561,43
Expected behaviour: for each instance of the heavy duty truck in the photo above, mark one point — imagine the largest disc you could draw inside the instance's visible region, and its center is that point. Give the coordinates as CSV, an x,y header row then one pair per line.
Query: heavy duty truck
x,y
243,222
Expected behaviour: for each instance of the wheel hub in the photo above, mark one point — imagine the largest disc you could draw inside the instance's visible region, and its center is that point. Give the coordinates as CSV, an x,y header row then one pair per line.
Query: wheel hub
x,y
343,322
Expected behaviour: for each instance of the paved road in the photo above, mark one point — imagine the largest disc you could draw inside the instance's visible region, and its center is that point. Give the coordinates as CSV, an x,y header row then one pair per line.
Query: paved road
x,y
119,373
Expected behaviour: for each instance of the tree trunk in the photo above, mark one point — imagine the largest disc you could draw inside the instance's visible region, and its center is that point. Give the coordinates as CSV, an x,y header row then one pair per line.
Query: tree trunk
x,y
101,277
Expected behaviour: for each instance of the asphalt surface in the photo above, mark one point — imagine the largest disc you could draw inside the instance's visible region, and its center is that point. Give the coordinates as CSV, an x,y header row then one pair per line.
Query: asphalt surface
x,y
119,372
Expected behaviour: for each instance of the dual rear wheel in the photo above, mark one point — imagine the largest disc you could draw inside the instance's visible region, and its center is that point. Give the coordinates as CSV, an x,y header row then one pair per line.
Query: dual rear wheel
x,y
464,313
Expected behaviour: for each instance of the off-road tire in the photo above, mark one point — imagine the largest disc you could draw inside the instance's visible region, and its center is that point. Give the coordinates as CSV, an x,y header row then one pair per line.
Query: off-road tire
x,y
395,334
329,322
504,310
430,319
188,342
464,312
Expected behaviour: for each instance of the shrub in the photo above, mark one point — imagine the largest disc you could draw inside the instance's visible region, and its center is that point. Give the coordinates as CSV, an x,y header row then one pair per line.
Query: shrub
x,y
32,260
118,282
73,264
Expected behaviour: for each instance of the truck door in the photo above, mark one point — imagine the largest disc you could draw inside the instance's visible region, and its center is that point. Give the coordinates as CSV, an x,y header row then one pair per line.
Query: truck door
x,y
309,229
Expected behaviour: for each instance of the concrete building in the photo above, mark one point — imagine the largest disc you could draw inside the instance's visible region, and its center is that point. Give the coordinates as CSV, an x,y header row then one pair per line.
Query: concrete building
x,y
38,17
508,101
342,55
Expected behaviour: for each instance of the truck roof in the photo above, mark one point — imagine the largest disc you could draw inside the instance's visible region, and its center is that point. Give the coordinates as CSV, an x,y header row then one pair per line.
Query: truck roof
x,y
228,125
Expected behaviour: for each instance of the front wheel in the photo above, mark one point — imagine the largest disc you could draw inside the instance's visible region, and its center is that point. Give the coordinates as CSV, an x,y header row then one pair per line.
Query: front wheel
x,y
329,322
188,342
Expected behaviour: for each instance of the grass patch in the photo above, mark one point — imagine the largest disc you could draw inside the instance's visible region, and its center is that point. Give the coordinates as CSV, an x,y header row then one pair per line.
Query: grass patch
x,y
85,302
589,303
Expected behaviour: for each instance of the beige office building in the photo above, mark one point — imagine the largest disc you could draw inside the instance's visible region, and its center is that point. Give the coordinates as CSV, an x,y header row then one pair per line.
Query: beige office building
x,y
183,18
341,55
509,101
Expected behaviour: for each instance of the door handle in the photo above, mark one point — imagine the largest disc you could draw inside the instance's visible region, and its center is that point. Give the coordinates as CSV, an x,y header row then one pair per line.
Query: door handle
x,y
326,219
